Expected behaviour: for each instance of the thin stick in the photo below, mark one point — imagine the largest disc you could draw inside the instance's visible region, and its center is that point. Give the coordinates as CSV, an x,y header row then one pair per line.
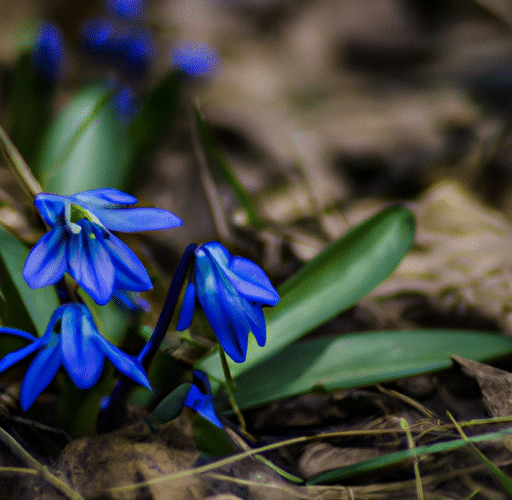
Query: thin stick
x,y
23,455
18,165
410,441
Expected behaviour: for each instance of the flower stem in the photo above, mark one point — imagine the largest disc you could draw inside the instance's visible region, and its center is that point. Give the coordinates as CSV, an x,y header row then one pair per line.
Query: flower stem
x,y
230,389
112,410
18,165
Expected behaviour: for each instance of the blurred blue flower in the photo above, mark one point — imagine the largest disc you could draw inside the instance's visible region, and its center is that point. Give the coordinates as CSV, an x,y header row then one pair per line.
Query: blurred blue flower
x,y
48,51
200,399
128,9
126,103
71,340
131,49
80,242
231,291
195,58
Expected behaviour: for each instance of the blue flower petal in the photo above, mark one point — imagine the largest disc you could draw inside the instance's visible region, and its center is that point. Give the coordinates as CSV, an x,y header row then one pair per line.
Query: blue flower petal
x,y
252,282
46,262
40,373
14,357
257,322
127,365
130,274
90,263
187,308
203,404
221,306
131,220
80,355
50,206
104,197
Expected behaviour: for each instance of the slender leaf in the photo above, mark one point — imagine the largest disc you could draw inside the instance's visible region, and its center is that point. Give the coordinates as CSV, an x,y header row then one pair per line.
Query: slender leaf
x,y
22,307
86,146
372,464
333,281
360,359
169,408
30,99
152,122
217,162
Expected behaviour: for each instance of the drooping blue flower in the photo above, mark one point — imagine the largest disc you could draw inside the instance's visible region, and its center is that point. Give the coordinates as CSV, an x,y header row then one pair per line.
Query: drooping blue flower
x,y
80,242
231,291
200,399
71,340
195,58
48,52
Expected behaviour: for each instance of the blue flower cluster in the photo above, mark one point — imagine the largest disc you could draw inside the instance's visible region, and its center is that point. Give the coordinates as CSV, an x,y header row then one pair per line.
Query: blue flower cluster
x,y
71,340
120,40
231,291
80,242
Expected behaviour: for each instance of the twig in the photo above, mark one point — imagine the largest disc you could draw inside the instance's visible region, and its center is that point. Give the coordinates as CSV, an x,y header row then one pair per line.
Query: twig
x,y
18,165
23,455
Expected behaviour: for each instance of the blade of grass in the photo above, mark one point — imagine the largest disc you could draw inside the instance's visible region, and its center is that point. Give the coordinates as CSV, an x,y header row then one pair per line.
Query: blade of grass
x,y
504,480
410,442
217,162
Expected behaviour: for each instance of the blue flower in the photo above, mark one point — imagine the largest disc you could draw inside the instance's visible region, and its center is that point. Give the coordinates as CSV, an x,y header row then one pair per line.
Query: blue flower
x,y
200,399
132,49
231,291
80,242
195,58
48,52
128,9
71,340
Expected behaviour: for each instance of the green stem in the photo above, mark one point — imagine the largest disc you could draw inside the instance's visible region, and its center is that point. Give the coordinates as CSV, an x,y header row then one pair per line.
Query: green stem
x,y
230,388
18,165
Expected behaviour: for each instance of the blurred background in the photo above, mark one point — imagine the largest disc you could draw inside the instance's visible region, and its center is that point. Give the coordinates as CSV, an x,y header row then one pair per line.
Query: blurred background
x,y
326,110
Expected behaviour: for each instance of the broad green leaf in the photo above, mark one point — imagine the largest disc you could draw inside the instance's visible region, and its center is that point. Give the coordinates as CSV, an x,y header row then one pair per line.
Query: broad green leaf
x,y
360,359
372,464
218,164
22,307
86,146
330,283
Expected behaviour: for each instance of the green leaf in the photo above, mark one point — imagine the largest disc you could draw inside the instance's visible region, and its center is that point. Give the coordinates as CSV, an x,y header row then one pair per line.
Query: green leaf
x,y
211,440
86,146
22,307
217,163
152,122
29,102
169,408
372,464
359,359
330,283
